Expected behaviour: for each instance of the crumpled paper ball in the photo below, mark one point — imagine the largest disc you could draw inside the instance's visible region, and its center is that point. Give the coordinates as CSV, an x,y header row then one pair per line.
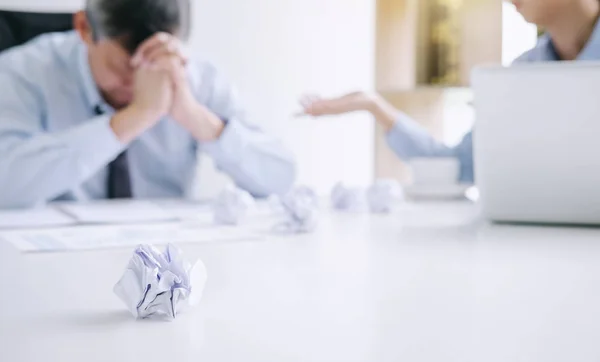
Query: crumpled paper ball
x,y
383,195
232,205
348,199
301,208
160,284
305,193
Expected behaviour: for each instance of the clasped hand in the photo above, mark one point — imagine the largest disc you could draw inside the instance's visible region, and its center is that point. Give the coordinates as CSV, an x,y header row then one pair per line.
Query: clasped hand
x,y
161,87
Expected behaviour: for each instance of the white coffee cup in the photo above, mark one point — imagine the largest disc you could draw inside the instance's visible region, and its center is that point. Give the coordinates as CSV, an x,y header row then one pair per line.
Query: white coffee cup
x,y
435,171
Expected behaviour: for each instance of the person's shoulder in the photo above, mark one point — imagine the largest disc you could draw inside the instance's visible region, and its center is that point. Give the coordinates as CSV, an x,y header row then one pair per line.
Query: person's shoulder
x,y
203,70
206,78
42,57
212,88
537,53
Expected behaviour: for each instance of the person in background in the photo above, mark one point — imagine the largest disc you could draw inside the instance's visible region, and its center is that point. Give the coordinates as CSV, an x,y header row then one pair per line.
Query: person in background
x,y
572,33
115,109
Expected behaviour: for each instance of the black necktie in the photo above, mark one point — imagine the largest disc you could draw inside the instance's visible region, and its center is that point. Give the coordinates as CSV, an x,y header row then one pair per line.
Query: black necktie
x,y
119,182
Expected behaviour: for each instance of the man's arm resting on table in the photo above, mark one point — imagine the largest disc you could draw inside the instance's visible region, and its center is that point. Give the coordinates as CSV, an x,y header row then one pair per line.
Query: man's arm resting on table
x,y
256,161
38,166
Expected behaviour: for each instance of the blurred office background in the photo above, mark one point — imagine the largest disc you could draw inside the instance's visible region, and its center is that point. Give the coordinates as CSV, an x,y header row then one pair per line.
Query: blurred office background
x,y
417,53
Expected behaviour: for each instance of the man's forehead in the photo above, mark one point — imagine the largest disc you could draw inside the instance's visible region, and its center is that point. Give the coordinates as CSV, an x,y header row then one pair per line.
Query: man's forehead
x,y
115,46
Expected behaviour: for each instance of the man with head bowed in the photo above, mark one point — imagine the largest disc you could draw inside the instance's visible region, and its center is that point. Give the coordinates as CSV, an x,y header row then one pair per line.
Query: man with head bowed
x,y
115,109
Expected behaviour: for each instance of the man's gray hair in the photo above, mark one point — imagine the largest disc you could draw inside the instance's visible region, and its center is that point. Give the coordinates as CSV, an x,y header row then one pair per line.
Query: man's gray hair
x,y
133,21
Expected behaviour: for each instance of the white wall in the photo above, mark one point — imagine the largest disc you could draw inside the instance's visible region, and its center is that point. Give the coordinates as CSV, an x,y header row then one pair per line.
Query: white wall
x,y
518,36
274,50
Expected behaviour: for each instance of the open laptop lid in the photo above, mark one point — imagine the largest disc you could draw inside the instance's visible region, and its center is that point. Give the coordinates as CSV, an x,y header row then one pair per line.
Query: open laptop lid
x,y
536,142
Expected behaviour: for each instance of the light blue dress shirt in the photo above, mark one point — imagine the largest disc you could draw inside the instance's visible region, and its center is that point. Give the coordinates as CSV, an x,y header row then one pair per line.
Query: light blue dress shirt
x,y
409,140
54,147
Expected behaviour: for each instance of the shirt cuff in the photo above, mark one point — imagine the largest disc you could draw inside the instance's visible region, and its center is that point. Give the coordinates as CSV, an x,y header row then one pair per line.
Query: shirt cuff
x,y
229,147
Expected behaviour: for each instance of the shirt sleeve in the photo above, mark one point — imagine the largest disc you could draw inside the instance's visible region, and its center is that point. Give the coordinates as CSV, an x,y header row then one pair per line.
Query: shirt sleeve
x,y
37,166
410,140
256,161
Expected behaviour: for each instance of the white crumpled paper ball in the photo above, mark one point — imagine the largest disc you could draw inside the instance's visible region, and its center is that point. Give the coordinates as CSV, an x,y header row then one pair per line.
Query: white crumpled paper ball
x,y
232,205
160,284
383,195
348,199
301,207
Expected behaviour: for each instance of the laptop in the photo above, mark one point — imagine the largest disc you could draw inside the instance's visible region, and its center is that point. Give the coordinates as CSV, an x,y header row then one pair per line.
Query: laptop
x,y
537,142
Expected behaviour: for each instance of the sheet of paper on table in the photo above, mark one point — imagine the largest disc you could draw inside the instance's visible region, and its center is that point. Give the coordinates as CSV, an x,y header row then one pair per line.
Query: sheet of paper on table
x,y
122,236
186,209
202,211
117,212
35,218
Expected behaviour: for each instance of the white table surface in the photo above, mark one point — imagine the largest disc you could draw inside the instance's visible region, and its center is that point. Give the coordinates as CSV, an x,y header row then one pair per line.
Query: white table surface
x,y
428,283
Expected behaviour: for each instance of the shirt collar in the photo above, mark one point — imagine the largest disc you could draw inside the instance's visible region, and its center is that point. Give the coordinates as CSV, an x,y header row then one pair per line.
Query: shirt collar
x,y
591,51
545,49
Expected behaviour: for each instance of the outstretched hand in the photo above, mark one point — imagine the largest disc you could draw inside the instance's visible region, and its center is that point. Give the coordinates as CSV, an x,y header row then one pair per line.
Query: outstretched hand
x,y
313,105
373,103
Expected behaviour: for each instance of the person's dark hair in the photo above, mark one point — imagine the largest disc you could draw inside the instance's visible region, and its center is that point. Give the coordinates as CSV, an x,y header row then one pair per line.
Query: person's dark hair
x,y
133,21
